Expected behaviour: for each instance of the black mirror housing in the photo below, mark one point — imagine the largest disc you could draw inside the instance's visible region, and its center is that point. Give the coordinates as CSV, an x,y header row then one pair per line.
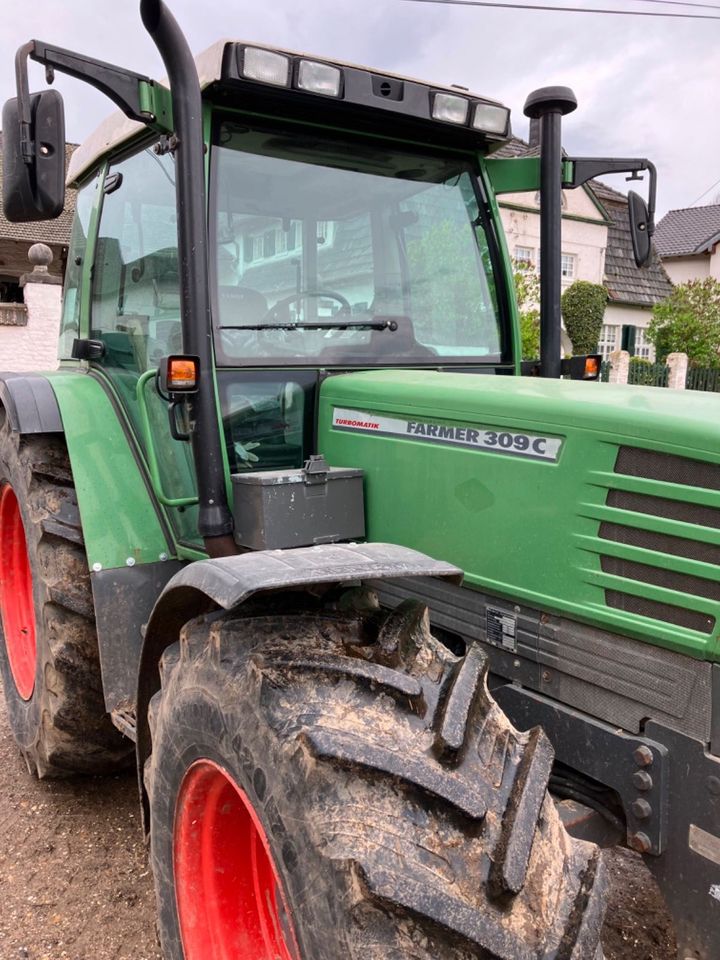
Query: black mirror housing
x,y
34,190
641,228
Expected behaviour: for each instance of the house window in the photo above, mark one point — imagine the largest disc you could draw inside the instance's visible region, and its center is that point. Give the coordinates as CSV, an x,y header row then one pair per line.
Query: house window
x,y
567,266
269,244
608,340
324,232
643,347
286,239
525,258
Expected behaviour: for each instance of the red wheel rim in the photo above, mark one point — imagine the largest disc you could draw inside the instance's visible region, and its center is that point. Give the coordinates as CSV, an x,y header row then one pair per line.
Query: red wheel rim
x,y
230,898
16,595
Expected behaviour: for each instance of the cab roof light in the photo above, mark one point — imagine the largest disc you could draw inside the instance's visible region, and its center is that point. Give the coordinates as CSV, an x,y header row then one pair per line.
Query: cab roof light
x,y
319,78
491,118
449,108
266,66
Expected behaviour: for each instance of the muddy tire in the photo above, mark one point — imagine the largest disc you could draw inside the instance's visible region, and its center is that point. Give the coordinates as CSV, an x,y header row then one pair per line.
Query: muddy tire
x,y
354,785
48,646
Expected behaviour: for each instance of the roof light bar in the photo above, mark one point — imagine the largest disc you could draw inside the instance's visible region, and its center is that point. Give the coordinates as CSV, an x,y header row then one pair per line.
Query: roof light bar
x,y
319,78
330,80
490,118
449,108
266,66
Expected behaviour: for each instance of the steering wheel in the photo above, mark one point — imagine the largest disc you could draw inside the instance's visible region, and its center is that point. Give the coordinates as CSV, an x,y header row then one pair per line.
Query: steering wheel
x,y
281,311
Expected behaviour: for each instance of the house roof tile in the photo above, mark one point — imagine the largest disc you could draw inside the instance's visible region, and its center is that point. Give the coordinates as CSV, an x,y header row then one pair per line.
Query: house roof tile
x,y
45,231
626,283
687,231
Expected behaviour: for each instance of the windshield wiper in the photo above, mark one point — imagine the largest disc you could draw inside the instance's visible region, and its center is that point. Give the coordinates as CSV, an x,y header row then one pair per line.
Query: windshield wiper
x,y
385,324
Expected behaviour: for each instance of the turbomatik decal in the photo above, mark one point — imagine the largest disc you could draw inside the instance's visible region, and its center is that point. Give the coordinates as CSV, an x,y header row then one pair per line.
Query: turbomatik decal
x,y
493,440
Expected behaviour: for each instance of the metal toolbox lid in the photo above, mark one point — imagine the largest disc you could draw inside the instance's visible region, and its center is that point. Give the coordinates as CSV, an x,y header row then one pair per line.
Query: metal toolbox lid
x,y
270,478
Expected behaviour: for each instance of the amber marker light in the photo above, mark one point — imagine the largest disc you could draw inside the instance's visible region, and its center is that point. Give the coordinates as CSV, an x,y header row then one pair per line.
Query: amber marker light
x,y
583,367
181,374
592,368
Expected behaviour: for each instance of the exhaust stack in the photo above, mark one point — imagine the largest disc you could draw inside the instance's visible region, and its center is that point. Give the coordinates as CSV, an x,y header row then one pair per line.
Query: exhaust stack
x,y
547,106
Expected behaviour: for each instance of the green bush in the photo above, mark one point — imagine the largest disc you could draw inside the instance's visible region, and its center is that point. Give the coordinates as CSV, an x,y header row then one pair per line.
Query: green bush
x,y
583,309
642,372
689,322
530,334
527,294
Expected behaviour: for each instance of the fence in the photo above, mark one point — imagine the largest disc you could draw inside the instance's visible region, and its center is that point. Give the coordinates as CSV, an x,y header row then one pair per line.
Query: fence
x,y
703,378
13,315
622,368
645,374
676,373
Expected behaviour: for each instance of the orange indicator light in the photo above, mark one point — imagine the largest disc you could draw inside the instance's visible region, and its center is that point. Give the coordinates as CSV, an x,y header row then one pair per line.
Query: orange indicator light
x,y
182,373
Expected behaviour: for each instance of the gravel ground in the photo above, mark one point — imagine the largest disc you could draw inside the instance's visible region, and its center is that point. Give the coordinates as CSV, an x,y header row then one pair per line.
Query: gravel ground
x,y
75,885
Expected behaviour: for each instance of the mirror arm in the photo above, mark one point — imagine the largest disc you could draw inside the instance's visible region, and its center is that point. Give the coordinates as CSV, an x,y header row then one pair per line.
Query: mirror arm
x,y
121,86
27,145
587,168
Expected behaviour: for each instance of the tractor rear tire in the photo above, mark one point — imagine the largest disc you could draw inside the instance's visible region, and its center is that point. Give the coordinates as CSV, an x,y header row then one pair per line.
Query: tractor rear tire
x,y
49,658
326,786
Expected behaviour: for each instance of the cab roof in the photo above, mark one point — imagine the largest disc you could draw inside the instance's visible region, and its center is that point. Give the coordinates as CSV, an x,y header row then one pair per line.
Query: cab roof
x,y
219,65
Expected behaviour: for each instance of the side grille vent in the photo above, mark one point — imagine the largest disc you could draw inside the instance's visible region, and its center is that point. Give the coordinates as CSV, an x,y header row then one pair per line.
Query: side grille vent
x,y
661,543
661,573
653,465
662,507
660,611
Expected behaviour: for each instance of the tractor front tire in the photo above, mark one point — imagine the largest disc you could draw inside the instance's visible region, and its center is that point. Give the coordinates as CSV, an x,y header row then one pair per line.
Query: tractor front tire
x,y
326,786
49,658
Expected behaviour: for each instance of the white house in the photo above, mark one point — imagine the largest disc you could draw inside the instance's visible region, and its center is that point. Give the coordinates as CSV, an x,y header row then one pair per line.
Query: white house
x,y
596,246
688,242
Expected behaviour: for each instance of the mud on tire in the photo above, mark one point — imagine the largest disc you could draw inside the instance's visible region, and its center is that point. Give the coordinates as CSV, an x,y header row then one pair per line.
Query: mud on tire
x,y
62,728
406,818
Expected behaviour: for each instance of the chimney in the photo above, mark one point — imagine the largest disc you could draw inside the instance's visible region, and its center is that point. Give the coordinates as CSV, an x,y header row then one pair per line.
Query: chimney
x,y
534,134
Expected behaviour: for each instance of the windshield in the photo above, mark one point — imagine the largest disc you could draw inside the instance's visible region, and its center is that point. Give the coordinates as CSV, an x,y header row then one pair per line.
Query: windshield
x,y
331,252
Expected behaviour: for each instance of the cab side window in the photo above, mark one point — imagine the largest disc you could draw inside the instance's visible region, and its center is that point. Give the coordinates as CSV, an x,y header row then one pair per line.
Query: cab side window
x,y
136,289
70,325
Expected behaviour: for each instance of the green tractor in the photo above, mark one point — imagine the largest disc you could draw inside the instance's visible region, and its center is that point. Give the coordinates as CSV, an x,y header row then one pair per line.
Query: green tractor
x,y
290,416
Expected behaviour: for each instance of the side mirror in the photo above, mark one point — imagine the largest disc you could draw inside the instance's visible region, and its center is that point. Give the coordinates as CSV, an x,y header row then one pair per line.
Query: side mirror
x,y
34,171
641,228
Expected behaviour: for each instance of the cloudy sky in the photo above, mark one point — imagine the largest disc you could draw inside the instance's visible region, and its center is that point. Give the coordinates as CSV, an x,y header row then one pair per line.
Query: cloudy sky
x,y
646,87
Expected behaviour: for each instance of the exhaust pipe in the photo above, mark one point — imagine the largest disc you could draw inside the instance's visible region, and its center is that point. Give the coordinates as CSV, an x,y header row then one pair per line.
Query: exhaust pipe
x,y
549,105
214,520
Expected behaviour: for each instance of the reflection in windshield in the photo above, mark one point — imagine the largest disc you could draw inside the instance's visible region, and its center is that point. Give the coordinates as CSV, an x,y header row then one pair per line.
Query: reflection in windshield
x,y
383,254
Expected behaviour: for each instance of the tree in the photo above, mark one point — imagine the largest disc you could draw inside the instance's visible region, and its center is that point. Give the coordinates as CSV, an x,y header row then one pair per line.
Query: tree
x,y
583,309
689,322
527,294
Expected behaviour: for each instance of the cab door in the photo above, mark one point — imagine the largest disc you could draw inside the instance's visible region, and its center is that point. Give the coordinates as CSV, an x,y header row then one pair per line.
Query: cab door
x,y
135,312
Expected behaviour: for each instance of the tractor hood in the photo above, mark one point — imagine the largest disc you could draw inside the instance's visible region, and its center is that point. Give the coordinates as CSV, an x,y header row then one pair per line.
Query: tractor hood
x,y
595,501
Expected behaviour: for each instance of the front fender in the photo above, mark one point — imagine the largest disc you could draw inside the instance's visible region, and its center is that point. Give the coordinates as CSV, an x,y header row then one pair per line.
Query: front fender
x,y
227,582
30,404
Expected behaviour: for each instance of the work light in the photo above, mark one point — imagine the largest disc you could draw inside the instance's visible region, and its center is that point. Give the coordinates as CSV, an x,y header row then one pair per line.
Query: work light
x,y
491,118
319,78
449,108
266,66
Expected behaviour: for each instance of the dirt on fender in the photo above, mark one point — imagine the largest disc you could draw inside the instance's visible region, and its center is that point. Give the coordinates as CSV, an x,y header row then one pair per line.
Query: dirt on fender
x,y
75,883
